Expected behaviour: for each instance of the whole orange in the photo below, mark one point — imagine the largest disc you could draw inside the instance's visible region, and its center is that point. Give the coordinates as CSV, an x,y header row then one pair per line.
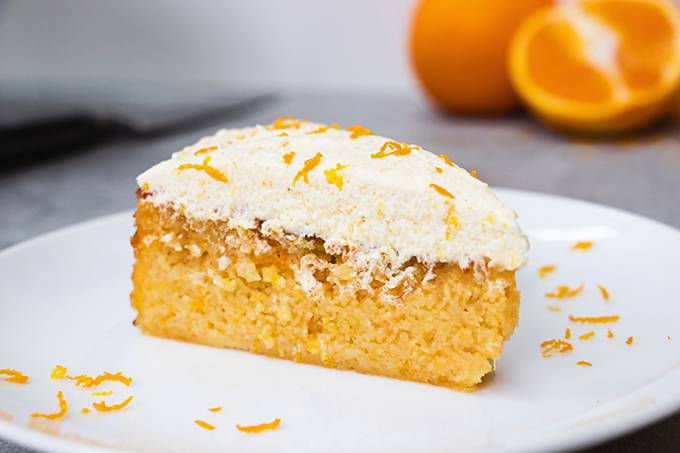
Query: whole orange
x,y
459,51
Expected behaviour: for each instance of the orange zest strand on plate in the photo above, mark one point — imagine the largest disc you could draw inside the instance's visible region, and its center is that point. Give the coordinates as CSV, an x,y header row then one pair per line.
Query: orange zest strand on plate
x,y
594,319
446,159
288,157
629,341
63,407
86,381
102,393
552,347
210,171
204,425
259,428
554,309
85,410
567,333
610,334
103,407
308,166
333,177
603,292
14,376
358,131
58,372
584,363
323,129
582,246
286,122
587,336
564,292
205,150
215,409
397,149
441,191
543,271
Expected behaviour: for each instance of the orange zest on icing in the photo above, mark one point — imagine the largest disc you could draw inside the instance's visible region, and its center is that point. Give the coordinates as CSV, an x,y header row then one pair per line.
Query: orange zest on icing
x,y
333,177
603,292
288,157
543,271
63,407
582,246
103,407
203,166
552,347
446,159
397,149
441,191
215,409
58,372
629,341
594,319
88,381
259,428
358,131
610,334
451,221
564,292
286,122
438,169
282,134
308,166
587,336
323,129
583,363
473,173
204,425
567,333
107,393
205,150
14,376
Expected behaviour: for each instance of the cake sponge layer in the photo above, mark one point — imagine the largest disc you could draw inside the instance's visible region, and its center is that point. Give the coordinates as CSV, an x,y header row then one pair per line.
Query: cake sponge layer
x,y
285,296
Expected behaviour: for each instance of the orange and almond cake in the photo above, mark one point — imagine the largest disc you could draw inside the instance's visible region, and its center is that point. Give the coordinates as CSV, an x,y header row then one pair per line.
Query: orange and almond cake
x,y
328,246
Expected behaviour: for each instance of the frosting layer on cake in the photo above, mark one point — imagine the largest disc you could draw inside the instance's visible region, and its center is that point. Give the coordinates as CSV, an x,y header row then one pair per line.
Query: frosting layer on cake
x,y
362,194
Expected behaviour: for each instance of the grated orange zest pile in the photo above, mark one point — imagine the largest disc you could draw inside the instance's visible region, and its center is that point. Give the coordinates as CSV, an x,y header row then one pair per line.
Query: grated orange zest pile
x,y
603,292
204,425
594,319
584,363
14,376
63,408
308,166
587,336
446,159
259,428
333,177
204,167
358,131
543,271
58,372
567,333
629,341
552,347
215,409
323,129
564,292
288,157
103,407
286,122
397,149
205,150
441,191
582,246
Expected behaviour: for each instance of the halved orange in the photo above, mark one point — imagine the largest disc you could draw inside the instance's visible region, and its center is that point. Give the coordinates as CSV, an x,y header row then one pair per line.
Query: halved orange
x,y
598,65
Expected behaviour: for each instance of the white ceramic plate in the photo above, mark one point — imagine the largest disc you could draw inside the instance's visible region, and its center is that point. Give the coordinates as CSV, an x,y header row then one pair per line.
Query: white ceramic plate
x,y
64,300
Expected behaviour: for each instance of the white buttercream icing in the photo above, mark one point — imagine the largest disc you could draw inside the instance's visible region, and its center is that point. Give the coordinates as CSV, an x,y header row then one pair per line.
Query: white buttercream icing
x,y
391,208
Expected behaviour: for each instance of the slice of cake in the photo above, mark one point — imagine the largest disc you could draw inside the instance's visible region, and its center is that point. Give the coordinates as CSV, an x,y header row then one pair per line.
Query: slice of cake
x,y
328,246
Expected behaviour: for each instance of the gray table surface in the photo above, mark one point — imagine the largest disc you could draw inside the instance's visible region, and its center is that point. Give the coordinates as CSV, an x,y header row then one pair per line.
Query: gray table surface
x,y
639,174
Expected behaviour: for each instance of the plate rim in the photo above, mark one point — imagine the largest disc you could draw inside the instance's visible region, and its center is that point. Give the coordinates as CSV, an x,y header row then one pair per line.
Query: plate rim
x,y
604,431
